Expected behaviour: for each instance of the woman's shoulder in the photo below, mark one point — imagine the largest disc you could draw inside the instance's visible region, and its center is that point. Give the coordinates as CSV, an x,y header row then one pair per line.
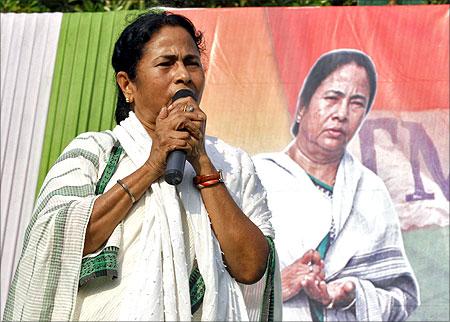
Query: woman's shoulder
x,y
369,180
212,142
269,158
276,165
220,150
103,140
91,145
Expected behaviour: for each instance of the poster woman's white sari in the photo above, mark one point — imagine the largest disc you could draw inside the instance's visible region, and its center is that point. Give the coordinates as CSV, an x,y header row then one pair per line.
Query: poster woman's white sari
x,y
148,255
367,247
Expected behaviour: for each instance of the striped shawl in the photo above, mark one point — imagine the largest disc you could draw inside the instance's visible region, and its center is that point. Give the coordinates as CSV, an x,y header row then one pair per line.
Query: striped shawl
x,y
46,281
368,248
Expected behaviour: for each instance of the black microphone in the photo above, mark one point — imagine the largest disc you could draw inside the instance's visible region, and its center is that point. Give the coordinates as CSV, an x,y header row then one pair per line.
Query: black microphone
x,y
177,158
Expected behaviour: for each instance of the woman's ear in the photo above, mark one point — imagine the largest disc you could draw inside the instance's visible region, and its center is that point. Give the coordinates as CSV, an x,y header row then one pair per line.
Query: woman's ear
x,y
126,86
299,115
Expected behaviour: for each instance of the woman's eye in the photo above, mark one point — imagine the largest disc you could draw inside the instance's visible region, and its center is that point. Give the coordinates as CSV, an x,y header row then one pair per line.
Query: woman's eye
x,y
358,104
331,98
165,63
192,63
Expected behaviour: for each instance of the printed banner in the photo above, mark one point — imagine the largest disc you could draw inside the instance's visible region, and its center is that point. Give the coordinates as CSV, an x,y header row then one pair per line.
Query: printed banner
x,y
255,73
256,61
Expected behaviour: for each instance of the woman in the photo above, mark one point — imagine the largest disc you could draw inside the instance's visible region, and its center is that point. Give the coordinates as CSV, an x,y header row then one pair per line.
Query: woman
x,y
340,246
167,252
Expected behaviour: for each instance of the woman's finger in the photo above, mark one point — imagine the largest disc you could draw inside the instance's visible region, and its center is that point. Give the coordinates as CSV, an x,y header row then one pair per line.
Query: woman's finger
x,y
311,287
325,297
311,256
180,135
194,129
349,287
181,121
163,113
179,144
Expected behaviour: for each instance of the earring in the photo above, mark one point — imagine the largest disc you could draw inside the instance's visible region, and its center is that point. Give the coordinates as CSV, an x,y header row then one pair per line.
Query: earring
x,y
299,114
128,99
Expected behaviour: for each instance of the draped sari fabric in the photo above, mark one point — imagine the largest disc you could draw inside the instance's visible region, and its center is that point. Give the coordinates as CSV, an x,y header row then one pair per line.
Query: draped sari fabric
x,y
45,289
367,249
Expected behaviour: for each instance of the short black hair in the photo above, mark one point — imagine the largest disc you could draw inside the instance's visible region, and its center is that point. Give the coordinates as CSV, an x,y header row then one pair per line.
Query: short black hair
x,y
326,65
128,48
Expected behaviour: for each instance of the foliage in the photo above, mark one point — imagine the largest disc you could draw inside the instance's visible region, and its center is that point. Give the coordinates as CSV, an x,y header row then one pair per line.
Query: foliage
x,y
21,6
113,5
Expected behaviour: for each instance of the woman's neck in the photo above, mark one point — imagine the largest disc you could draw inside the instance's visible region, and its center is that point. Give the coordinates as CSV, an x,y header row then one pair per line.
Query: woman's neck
x,y
319,166
149,126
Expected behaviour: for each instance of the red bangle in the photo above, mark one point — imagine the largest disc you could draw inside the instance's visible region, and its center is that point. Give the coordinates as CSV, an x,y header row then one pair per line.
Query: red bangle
x,y
208,180
208,183
203,178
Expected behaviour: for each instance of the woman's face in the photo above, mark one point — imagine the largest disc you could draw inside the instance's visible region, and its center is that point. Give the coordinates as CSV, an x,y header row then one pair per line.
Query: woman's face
x,y
170,61
335,112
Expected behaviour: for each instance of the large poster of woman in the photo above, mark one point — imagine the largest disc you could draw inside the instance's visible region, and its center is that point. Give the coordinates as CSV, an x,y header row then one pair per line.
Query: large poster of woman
x,y
57,82
323,199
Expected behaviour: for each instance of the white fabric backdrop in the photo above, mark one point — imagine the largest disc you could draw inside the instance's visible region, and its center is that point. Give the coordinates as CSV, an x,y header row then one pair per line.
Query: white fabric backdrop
x,y
28,50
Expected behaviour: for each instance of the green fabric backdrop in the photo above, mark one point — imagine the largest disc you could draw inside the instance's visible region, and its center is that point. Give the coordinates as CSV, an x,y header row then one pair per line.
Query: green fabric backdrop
x,y
83,92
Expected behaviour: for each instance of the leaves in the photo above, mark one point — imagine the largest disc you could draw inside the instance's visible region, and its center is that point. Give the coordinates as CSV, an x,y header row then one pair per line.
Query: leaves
x,y
116,5
26,6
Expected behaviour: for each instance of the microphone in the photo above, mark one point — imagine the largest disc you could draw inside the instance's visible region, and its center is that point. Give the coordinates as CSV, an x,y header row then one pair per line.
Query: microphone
x,y
177,158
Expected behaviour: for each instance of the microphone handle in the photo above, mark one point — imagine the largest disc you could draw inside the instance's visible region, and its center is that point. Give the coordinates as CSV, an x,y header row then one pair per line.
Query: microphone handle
x,y
175,167
177,158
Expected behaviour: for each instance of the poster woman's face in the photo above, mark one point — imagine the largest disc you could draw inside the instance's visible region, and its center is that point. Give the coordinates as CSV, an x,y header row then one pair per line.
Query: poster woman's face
x,y
336,111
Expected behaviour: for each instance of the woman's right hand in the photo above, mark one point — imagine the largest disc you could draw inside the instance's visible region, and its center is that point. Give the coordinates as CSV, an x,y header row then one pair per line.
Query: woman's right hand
x,y
168,135
307,268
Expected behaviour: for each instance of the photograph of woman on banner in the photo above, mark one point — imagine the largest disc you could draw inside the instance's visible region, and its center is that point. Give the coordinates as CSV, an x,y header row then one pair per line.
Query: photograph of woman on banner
x,y
111,240
338,237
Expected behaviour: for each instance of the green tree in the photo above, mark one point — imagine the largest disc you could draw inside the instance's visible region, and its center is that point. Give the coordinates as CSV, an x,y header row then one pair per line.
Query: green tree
x,y
114,5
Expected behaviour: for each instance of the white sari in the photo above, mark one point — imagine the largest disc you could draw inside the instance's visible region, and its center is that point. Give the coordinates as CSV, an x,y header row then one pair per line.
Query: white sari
x,y
367,249
159,287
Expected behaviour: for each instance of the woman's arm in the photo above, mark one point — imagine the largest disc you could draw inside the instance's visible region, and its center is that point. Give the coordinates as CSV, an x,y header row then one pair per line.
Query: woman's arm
x,y
242,242
112,207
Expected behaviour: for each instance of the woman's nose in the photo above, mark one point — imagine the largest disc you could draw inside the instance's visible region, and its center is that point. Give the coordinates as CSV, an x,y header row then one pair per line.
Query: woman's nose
x,y
182,74
341,111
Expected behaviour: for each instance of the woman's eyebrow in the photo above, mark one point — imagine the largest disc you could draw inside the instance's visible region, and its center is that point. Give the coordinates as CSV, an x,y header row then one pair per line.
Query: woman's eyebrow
x,y
359,96
335,92
175,57
166,56
341,94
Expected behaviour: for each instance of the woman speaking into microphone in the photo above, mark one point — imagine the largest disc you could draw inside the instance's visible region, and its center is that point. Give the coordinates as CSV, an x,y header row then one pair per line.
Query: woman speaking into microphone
x,y
111,240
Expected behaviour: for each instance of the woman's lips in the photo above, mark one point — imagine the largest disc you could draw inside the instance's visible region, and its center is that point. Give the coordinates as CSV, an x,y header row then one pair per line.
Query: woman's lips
x,y
335,132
